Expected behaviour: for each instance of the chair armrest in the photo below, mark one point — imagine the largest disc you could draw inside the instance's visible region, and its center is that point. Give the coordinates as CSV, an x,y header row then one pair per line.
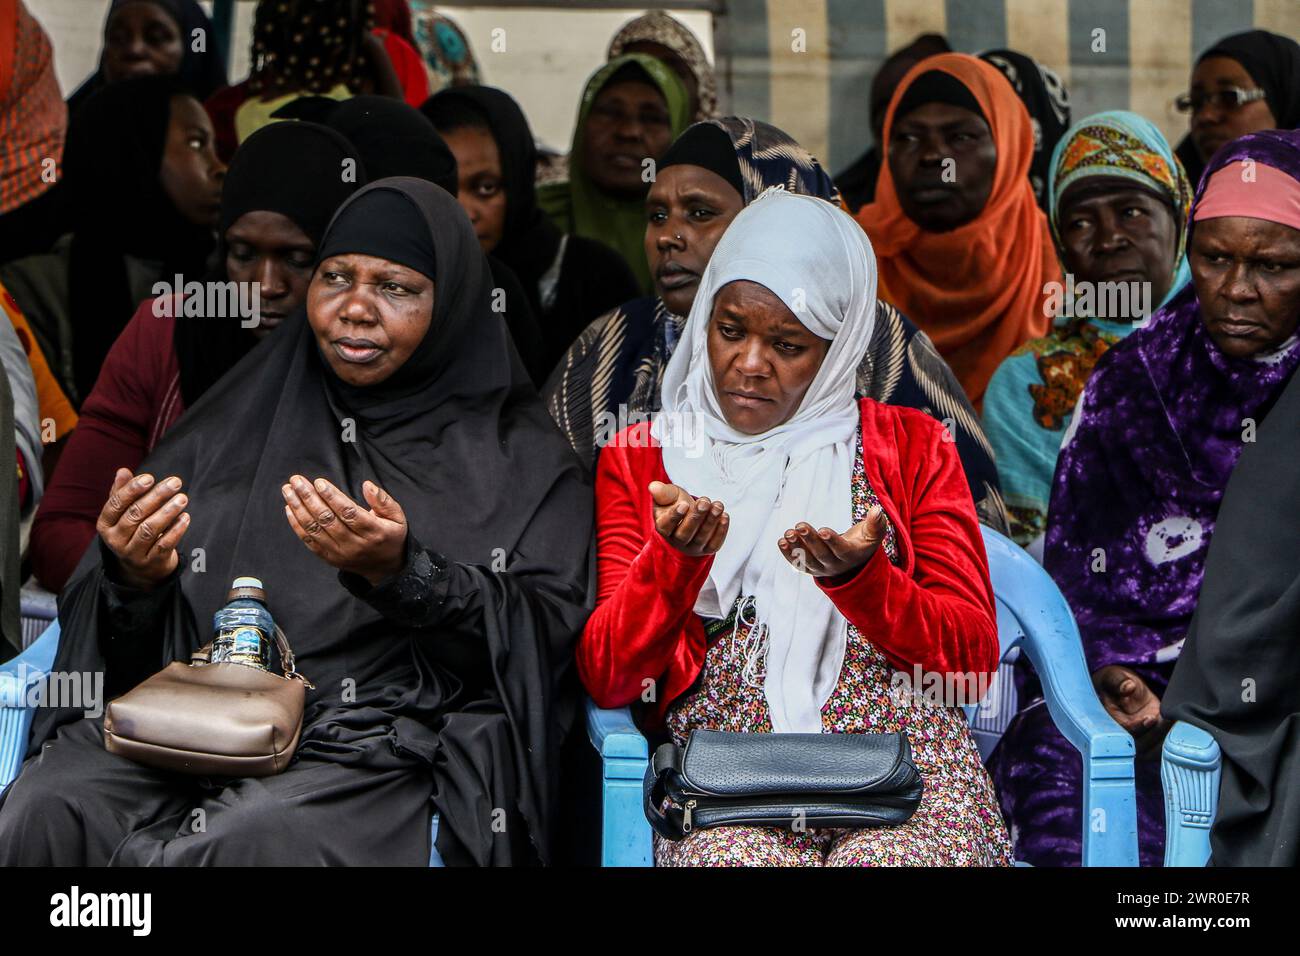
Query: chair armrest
x,y
624,757
17,675
613,732
1051,639
1190,768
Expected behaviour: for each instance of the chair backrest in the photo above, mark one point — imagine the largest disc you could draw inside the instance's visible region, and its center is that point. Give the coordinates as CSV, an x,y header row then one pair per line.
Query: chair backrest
x,y
38,610
1034,617
989,719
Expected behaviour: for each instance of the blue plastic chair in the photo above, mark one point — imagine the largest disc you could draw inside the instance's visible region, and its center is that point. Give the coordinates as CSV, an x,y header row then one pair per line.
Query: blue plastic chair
x,y
27,669
1190,770
1032,616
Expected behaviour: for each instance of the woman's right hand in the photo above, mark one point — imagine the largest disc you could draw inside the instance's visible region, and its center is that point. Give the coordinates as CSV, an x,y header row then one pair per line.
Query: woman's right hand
x,y
694,526
142,523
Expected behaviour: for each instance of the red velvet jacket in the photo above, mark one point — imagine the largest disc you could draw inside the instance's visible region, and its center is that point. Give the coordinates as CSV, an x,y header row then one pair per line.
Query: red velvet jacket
x,y
935,610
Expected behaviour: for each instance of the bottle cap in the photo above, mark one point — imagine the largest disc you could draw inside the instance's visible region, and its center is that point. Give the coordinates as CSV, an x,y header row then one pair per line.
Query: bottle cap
x,y
247,588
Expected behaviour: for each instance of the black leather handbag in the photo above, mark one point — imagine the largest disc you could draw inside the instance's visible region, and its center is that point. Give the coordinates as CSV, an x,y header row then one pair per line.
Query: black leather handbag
x,y
781,780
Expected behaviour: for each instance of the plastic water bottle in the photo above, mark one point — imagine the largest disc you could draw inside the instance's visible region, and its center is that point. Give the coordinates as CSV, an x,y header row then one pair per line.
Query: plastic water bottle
x,y
243,630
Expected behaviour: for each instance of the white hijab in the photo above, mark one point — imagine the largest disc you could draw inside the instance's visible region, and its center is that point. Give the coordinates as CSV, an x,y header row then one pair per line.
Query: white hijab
x,y
819,262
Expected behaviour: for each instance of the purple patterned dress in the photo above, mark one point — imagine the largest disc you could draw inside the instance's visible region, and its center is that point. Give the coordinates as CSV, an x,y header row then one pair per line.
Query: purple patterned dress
x,y
1164,418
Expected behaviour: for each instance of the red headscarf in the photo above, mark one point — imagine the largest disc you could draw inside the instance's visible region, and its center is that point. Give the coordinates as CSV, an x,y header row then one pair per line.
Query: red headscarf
x,y
977,291
33,117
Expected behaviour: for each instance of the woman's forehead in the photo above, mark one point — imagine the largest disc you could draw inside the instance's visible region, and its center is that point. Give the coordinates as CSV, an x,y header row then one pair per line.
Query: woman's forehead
x,y
748,300
361,262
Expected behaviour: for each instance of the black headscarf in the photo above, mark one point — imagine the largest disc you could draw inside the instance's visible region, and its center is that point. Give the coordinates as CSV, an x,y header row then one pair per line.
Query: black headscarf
x,y
112,164
394,139
530,241
485,480
384,227
936,86
1273,62
1048,103
201,73
294,169
708,146
1240,664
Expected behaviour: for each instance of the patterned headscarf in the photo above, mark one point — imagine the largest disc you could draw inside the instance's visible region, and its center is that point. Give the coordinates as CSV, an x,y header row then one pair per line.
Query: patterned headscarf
x,y
1048,103
658,27
33,117
770,157
445,49
1124,145
309,46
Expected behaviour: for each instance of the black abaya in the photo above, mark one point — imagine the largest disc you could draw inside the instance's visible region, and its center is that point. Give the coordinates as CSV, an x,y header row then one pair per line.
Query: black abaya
x,y
454,670
1239,671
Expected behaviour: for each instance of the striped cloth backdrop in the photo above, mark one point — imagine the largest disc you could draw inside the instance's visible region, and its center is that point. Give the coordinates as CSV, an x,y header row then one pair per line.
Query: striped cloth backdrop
x,y
806,65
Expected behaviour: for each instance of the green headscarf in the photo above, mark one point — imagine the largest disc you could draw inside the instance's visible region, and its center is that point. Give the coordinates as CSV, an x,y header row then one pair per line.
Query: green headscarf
x,y
578,207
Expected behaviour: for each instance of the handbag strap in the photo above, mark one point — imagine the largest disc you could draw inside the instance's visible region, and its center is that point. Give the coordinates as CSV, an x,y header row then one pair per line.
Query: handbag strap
x,y
287,659
672,824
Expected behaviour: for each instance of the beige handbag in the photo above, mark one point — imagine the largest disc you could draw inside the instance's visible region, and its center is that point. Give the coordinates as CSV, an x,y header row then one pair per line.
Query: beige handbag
x,y
221,720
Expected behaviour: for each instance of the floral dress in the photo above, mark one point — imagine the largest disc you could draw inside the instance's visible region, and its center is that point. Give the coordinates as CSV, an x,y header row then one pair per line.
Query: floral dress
x,y
957,823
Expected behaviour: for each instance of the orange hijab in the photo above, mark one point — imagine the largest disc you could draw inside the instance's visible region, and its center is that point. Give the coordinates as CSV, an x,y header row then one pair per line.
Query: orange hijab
x,y
977,291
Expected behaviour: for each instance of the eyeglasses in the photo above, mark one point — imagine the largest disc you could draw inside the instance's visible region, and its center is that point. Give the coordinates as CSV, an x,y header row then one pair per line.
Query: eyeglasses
x,y
1232,98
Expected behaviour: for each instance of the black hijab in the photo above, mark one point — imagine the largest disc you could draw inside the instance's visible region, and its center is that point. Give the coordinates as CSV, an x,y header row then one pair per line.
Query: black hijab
x,y
394,139
1239,670
1048,103
1273,62
295,169
708,146
530,241
203,73
112,166
460,440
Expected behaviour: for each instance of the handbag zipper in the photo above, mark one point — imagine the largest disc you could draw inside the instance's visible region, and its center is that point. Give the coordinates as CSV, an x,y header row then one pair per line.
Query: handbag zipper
x,y
686,816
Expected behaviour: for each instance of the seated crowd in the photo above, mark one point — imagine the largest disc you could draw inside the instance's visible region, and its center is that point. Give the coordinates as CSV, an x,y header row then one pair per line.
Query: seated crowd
x,y
499,428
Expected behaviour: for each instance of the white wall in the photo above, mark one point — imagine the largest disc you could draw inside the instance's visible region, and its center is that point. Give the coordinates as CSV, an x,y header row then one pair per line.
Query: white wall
x,y
548,53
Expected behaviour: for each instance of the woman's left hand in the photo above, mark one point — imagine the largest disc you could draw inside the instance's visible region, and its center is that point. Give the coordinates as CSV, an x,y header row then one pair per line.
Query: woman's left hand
x,y
342,533
825,554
